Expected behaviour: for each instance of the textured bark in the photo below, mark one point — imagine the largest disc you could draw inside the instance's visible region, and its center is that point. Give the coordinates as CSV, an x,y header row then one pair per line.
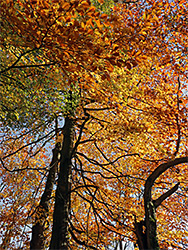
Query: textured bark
x,y
142,239
62,199
151,227
38,239
140,234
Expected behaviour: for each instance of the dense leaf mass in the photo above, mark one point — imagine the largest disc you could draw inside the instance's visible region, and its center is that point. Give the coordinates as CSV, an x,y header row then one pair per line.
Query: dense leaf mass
x,y
100,87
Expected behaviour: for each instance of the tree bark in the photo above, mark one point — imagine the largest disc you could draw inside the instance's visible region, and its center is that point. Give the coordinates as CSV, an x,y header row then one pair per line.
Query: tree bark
x,y
62,198
146,231
140,234
38,239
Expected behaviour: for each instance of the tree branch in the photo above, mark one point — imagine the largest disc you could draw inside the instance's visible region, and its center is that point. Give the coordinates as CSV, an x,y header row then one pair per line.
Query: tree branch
x,y
157,172
83,243
18,59
158,201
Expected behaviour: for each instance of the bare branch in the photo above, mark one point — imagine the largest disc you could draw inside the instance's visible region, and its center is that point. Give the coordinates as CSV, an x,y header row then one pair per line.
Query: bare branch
x,y
157,172
164,196
29,144
83,243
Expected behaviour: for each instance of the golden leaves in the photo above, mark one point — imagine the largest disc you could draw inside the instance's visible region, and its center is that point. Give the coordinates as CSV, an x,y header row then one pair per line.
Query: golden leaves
x,y
101,1
125,67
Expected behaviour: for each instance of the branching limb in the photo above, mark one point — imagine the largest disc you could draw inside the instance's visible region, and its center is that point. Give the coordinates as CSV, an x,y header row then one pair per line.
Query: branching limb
x,y
164,196
83,243
157,172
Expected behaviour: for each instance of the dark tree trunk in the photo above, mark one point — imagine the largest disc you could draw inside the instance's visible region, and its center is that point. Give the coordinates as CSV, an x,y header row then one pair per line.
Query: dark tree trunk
x,y
62,198
151,227
38,240
146,231
140,234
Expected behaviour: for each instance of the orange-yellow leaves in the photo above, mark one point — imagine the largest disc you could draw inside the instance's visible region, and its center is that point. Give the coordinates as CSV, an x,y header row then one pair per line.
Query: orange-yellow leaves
x,y
128,65
125,66
64,7
103,16
109,66
99,25
91,9
84,5
144,16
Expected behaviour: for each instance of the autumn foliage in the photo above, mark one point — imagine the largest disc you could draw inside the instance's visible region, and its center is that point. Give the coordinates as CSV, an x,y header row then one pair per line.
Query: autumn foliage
x,y
93,118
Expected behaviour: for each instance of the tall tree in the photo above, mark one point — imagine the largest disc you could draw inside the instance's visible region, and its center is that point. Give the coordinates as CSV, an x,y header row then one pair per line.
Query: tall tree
x,y
129,71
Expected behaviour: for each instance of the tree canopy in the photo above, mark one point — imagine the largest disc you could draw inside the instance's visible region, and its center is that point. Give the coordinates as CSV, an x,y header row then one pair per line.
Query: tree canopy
x,y
93,117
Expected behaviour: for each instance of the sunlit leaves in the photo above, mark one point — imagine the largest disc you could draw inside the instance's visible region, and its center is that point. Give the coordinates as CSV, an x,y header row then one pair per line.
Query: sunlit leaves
x,y
127,70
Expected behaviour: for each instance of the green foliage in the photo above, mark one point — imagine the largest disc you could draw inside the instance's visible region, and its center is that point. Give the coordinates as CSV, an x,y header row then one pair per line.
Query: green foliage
x,y
105,7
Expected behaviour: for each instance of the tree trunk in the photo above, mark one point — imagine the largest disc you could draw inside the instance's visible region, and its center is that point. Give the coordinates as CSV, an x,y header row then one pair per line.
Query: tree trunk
x,y
151,227
62,198
38,239
140,234
146,231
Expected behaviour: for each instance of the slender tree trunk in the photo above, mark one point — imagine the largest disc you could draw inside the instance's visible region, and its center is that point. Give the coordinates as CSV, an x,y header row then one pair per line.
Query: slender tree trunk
x,y
38,239
62,198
